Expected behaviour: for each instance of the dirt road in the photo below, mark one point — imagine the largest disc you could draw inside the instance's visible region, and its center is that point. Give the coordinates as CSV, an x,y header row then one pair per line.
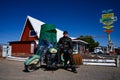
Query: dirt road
x,y
14,70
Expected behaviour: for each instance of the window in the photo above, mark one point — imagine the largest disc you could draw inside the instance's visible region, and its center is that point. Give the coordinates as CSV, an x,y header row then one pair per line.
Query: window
x,y
33,33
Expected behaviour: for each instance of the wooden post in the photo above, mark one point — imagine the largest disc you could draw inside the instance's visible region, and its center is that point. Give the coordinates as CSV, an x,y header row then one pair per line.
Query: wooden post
x,y
117,61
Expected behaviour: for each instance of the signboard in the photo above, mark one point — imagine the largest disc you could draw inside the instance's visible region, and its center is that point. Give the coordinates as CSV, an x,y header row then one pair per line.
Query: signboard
x,y
107,27
108,19
109,15
108,31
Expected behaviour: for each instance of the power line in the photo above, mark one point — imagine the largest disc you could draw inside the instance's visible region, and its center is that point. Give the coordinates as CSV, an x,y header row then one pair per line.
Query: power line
x,y
101,36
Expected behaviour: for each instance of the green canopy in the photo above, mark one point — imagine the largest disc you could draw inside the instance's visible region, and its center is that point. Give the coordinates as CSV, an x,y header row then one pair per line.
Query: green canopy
x,y
48,32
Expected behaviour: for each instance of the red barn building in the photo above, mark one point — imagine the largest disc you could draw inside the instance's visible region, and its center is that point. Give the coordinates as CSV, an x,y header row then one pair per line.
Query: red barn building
x,y
28,39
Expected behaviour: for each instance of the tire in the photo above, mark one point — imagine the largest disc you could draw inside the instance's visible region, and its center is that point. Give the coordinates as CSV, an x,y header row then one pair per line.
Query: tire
x,y
32,67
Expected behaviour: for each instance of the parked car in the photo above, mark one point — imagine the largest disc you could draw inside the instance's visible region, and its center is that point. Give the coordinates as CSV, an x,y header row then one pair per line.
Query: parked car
x,y
98,50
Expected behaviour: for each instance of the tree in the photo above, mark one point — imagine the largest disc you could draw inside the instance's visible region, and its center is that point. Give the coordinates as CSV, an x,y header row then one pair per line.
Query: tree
x,y
91,42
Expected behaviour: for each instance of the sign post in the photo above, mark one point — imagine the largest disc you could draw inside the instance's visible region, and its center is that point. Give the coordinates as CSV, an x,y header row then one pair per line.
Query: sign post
x,y
107,20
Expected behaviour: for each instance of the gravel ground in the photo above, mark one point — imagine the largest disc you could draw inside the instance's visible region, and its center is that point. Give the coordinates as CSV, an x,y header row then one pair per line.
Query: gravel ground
x,y
14,70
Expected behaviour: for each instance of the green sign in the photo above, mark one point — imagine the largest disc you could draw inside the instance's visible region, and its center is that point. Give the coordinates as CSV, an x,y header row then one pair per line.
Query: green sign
x,y
108,19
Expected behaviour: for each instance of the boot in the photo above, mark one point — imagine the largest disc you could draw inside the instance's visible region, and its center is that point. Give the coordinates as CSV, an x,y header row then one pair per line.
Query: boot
x,y
74,70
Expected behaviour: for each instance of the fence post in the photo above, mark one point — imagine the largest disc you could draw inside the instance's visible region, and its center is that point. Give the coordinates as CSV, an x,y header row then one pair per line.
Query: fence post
x,y
117,61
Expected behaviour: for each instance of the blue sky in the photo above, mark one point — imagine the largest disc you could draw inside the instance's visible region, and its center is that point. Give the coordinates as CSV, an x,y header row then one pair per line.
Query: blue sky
x,y
78,17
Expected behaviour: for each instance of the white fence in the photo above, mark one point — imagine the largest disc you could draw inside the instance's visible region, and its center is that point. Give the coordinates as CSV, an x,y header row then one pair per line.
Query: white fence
x,y
109,61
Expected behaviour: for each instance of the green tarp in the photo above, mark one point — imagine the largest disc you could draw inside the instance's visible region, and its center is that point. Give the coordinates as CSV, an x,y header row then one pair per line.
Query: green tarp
x,y
48,32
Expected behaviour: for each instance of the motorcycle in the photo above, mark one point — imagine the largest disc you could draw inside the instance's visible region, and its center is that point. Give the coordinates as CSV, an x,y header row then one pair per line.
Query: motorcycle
x,y
46,56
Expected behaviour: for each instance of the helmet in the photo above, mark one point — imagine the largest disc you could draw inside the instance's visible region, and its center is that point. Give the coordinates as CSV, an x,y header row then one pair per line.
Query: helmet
x,y
65,32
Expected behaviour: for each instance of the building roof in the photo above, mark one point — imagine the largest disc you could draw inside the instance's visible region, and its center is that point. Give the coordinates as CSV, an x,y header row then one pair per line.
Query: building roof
x,y
36,24
78,40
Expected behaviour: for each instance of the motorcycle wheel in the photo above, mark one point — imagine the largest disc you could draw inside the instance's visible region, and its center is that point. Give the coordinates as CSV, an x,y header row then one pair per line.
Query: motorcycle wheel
x,y
32,67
